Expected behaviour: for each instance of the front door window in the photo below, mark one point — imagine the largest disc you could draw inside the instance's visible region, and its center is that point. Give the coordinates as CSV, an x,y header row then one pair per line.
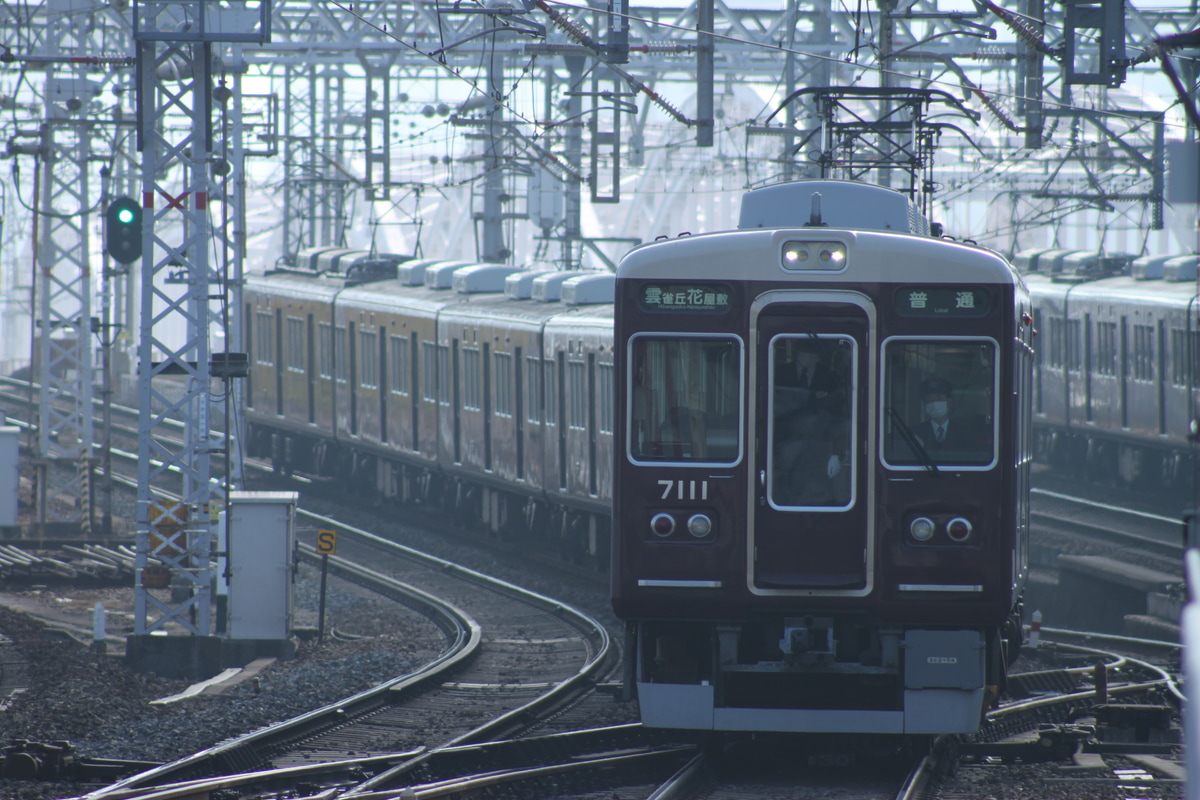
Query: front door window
x,y
812,396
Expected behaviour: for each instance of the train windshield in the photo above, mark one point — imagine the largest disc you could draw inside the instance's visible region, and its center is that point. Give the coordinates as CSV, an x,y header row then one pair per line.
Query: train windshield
x,y
939,403
812,438
685,398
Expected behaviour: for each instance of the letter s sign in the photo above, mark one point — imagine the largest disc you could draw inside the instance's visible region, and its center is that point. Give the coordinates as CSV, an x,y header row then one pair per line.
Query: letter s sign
x,y
326,542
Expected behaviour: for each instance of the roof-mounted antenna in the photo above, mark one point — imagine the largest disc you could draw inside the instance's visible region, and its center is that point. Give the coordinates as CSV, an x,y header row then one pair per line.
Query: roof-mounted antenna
x,y
814,216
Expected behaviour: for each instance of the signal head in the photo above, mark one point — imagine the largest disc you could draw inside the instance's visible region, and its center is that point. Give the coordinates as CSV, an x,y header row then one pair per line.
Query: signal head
x,y
123,230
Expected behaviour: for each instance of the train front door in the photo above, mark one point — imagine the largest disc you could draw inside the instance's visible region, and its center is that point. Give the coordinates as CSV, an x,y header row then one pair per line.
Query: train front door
x,y
811,391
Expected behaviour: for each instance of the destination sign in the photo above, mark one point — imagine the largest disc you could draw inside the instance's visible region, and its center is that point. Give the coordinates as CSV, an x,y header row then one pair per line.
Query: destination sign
x,y
943,301
711,298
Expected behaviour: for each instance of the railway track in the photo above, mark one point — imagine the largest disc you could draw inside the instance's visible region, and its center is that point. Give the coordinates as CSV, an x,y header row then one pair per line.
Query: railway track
x,y
514,658
1156,535
1041,726
1053,721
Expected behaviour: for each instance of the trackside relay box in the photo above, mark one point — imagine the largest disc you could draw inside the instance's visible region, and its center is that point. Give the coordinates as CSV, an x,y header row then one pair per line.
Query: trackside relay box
x,y
260,547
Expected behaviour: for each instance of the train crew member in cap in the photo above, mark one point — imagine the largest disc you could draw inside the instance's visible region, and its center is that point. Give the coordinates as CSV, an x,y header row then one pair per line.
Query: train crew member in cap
x,y
941,432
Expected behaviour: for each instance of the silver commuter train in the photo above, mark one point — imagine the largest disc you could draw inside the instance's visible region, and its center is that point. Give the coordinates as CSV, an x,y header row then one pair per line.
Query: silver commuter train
x,y
473,388
1115,381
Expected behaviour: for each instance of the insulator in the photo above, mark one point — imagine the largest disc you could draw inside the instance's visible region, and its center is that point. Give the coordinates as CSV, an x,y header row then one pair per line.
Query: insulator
x,y
1151,53
994,54
570,27
661,48
670,109
1022,28
997,111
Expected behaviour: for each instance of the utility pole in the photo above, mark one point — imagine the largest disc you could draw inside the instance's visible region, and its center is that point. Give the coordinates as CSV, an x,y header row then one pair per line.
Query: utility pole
x,y
175,103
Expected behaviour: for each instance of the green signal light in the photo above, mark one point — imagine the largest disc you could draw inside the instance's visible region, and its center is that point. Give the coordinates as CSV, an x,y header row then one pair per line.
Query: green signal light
x,y
125,216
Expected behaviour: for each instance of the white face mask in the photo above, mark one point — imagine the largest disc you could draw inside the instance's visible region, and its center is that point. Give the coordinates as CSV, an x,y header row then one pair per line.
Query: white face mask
x,y
936,409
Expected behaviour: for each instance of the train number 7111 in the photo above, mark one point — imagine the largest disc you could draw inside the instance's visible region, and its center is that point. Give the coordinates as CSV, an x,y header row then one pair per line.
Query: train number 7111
x,y
685,489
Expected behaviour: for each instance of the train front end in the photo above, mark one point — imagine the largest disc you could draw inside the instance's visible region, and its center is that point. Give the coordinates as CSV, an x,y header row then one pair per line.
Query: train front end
x,y
796,545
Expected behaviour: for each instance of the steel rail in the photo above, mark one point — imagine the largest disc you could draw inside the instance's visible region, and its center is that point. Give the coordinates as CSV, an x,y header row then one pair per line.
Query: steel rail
x,y
1158,544
595,635
596,638
470,785
918,781
464,639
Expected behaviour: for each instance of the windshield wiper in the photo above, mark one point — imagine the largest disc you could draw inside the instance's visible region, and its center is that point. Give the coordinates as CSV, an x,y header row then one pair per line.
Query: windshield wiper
x,y
913,442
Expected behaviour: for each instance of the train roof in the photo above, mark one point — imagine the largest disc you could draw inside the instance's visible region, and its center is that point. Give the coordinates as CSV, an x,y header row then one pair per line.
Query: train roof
x,y
598,316
498,307
835,204
391,295
294,284
1120,289
871,257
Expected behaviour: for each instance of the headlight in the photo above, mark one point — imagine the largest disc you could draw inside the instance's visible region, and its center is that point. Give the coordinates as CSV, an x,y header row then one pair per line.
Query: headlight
x,y
817,256
795,254
662,524
959,529
921,529
833,254
699,525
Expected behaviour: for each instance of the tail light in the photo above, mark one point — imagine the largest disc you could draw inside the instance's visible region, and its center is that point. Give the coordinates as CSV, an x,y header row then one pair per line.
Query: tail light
x,y
662,525
959,529
922,529
699,525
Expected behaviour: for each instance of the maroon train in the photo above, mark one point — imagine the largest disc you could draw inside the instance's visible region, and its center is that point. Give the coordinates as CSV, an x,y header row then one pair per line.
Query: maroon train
x,y
797,547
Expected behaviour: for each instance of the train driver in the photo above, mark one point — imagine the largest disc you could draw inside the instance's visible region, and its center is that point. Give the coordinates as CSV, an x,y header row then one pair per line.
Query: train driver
x,y
942,432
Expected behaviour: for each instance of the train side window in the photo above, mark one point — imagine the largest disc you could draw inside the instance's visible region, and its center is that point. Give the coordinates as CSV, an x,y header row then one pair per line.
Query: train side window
x,y
1143,352
810,425
1039,324
604,398
1074,345
1054,357
533,371
1185,345
1106,348
429,356
368,356
503,377
577,399
325,345
341,356
265,338
551,394
249,345
400,368
940,403
685,399
471,386
295,347
443,374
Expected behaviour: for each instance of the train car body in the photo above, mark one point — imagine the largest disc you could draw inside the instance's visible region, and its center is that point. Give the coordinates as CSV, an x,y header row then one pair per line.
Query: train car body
x,y
579,345
496,341
291,377
1115,379
378,327
793,549
434,384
